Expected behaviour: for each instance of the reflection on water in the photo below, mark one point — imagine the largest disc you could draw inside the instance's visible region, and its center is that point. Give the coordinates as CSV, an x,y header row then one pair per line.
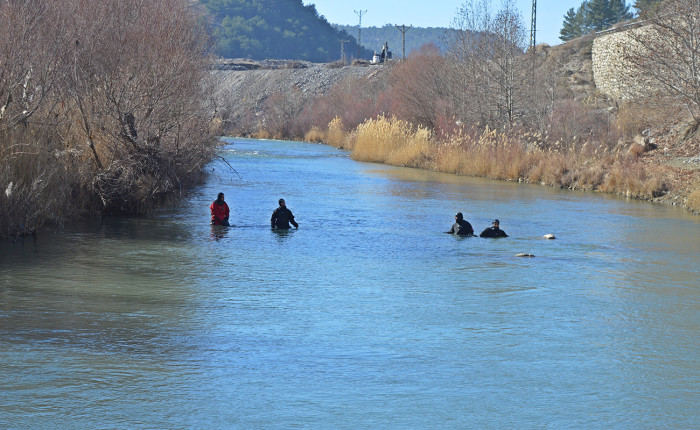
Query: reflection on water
x,y
219,232
366,316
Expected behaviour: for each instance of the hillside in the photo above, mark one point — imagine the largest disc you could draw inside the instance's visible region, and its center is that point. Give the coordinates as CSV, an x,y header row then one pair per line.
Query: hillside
x,y
568,67
373,38
264,29
244,87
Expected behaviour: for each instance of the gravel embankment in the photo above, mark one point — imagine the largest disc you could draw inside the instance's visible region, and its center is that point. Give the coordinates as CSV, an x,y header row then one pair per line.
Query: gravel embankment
x,y
244,86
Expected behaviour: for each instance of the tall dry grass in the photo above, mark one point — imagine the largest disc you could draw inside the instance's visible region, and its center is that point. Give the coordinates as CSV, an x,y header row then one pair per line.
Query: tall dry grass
x,y
486,153
37,182
337,136
315,135
506,156
393,141
693,201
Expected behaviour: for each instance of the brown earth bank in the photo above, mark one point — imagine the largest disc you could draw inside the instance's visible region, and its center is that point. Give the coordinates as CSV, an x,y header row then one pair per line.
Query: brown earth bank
x,y
262,99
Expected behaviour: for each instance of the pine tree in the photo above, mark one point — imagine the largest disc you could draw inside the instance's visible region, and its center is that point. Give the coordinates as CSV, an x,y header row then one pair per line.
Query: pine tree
x,y
602,14
572,27
646,6
620,10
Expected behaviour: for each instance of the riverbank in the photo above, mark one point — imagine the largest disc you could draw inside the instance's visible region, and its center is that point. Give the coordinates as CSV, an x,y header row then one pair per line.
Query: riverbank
x,y
667,175
587,141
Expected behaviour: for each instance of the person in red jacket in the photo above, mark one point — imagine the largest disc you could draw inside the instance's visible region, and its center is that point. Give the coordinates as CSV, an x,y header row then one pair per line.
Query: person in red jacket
x,y
219,211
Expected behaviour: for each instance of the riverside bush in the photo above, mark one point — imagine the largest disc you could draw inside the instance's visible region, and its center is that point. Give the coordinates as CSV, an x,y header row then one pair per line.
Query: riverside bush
x,y
102,108
37,182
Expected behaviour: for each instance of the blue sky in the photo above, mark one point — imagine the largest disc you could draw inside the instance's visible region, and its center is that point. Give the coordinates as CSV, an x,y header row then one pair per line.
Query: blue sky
x,y
439,13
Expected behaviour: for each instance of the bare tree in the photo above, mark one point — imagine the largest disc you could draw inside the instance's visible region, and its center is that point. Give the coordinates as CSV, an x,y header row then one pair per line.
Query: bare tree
x,y
422,94
665,55
34,182
486,48
29,60
103,105
137,83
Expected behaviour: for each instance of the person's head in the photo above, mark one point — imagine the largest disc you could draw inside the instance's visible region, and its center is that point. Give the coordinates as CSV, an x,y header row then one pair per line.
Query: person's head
x,y
220,197
459,216
281,202
496,223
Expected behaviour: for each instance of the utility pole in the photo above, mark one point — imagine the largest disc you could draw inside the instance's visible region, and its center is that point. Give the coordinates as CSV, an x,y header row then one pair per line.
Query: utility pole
x,y
533,24
359,32
342,49
533,45
403,29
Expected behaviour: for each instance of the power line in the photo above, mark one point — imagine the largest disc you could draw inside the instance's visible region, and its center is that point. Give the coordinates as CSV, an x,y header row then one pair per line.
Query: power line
x,y
359,31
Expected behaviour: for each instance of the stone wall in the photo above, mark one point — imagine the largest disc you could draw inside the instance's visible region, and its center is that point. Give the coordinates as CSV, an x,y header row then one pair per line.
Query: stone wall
x,y
614,76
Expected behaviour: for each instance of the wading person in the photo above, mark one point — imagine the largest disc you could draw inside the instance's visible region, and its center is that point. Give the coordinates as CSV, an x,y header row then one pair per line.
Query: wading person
x,y
461,227
493,231
219,211
281,217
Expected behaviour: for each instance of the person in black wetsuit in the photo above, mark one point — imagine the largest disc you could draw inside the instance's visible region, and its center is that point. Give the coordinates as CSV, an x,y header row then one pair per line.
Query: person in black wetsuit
x,y
493,231
461,227
281,217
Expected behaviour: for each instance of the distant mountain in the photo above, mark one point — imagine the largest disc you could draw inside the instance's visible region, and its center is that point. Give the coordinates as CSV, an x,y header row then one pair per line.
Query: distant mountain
x,y
277,29
373,38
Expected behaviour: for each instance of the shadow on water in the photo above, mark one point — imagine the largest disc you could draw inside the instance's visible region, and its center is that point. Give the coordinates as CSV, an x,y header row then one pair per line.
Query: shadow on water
x,y
107,285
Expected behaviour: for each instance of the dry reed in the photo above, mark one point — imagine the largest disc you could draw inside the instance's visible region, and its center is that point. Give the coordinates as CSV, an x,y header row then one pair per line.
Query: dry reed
x,y
315,135
336,135
393,141
499,155
694,199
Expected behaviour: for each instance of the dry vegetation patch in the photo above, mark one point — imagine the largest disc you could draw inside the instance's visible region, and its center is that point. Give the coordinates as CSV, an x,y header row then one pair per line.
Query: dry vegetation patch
x,y
103,108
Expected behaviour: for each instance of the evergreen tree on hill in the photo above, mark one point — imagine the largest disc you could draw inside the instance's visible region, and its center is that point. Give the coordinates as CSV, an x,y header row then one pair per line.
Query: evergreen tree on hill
x,y
594,15
602,14
573,24
276,29
646,6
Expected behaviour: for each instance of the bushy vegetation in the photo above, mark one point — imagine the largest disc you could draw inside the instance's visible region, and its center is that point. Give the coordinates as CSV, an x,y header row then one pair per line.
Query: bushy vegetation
x,y
102,108
260,29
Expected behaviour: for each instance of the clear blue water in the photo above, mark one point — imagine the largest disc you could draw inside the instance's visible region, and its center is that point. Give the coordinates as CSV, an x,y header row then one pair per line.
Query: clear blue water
x,y
367,316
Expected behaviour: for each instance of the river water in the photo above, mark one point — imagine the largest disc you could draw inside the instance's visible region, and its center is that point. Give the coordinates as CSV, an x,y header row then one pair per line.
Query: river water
x,y
367,316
